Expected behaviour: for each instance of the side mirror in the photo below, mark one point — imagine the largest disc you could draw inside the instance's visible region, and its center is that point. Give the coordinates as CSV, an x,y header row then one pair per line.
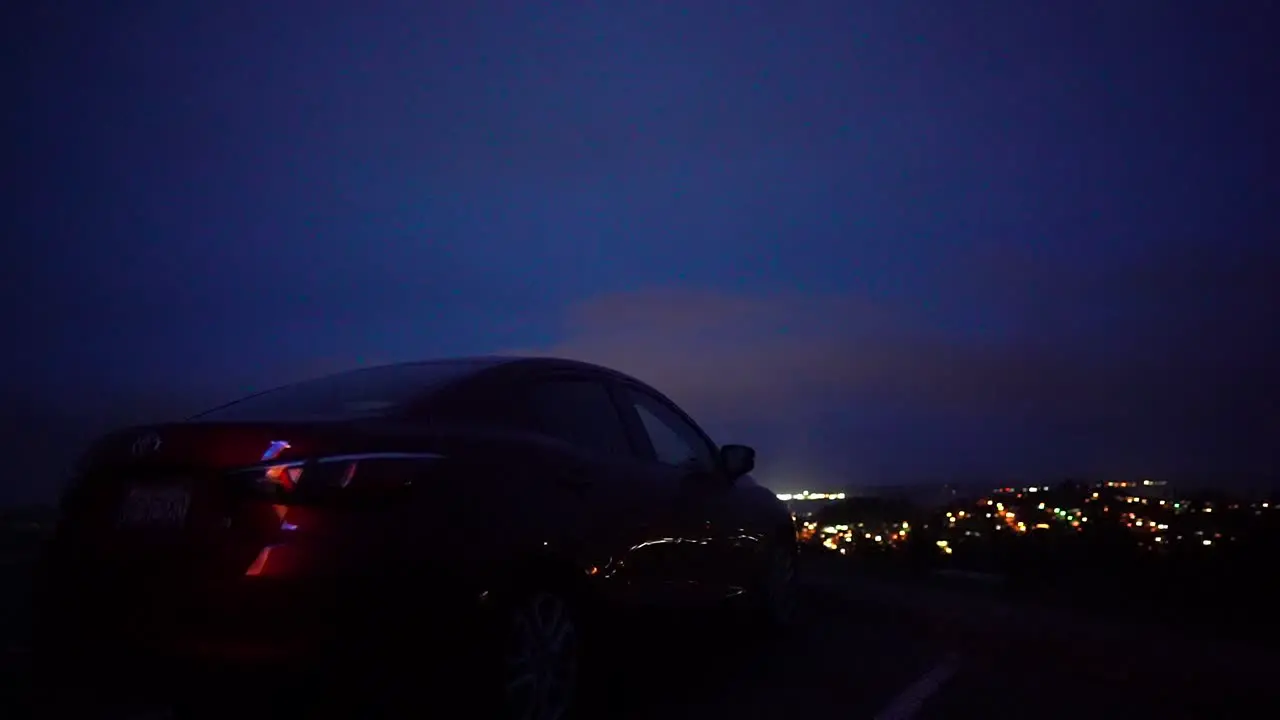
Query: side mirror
x,y
737,460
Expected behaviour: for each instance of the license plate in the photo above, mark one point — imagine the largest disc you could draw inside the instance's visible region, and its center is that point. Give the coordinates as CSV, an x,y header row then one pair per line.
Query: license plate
x,y
158,506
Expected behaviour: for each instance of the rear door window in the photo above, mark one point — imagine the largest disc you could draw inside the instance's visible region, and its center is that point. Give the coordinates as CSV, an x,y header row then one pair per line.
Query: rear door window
x,y
580,412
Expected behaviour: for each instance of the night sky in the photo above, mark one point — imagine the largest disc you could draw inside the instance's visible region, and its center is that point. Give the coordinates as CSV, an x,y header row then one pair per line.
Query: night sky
x,y
884,242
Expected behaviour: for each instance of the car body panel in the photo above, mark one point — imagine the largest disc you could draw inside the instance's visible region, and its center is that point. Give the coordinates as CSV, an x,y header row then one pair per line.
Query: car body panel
x,y
450,498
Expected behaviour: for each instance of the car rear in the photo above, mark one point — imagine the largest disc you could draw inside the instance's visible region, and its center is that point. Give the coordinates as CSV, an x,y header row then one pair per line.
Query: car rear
x,y
288,549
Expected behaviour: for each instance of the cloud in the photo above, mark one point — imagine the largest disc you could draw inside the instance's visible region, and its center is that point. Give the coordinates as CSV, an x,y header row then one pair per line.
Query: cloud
x,y
739,353
1123,387
728,353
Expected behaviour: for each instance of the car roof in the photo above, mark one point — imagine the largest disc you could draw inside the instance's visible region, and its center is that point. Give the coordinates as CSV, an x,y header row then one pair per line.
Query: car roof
x,y
483,363
460,373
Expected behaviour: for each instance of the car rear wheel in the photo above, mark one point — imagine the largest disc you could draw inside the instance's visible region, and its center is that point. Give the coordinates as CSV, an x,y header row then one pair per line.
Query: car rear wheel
x,y
538,656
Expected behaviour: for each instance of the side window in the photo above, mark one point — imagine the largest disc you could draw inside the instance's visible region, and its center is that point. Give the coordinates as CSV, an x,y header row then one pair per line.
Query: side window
x,y
675,441
579,412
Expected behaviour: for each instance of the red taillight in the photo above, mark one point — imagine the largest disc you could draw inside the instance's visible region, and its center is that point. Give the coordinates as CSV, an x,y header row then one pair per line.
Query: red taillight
x,y
272,481
282,477
285,476
260,562
337,475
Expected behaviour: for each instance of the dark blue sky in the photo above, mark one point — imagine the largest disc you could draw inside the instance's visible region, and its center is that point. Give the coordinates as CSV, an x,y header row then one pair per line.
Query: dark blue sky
x,y
882,241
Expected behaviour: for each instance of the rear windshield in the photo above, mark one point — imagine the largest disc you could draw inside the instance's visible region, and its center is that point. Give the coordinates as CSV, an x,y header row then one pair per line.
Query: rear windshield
x,y
372,392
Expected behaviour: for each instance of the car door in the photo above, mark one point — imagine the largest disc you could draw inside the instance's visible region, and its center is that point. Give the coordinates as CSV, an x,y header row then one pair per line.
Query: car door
x,y
684,465
626,524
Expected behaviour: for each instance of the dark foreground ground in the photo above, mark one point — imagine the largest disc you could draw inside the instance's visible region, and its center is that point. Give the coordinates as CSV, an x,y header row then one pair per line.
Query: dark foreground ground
x,y
873,648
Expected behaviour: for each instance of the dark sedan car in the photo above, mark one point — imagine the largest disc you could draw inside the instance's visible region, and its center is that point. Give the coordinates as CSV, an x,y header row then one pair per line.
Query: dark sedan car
x,y
484,516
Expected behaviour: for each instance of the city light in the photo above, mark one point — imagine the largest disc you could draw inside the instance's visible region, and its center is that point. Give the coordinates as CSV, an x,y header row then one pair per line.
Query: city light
x,y
1071,513
805,495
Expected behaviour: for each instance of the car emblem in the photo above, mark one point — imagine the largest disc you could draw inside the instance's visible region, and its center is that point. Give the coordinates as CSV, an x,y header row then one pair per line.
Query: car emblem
x,y
146,444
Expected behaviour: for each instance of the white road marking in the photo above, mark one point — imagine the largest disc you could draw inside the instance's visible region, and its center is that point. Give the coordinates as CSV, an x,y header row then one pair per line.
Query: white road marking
x,y
912,698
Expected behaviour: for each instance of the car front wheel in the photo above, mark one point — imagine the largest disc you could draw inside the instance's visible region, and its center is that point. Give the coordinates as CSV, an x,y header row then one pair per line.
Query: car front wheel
x,y
772,603
778,592
538,655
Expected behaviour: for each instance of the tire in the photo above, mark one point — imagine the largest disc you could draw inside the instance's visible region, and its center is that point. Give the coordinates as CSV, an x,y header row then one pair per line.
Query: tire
x,y
536,662
775,605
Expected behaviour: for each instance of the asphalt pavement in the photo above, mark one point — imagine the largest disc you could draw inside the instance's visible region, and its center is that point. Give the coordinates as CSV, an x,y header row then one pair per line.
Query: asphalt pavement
x,y
843,660
883,650
868,648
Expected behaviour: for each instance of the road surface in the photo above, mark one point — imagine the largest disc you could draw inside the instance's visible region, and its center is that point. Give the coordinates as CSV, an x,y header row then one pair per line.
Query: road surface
x,y
879,650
